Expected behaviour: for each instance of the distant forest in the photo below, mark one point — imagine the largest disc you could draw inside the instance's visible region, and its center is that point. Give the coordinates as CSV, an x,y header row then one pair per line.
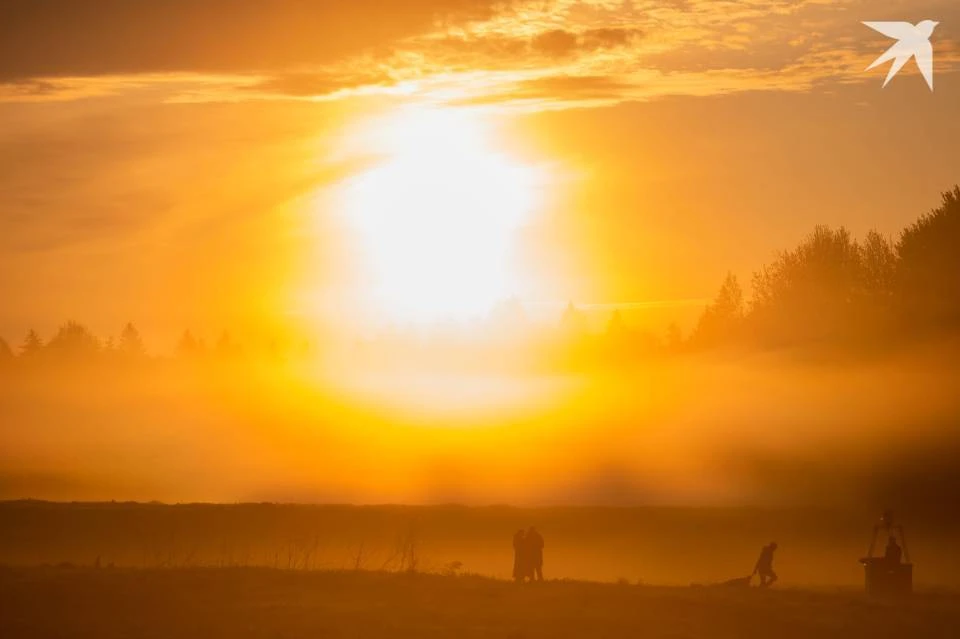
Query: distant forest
x,y
831,291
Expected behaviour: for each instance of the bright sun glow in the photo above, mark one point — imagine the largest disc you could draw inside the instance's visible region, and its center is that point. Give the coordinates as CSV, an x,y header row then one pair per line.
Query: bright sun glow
x,y
437,219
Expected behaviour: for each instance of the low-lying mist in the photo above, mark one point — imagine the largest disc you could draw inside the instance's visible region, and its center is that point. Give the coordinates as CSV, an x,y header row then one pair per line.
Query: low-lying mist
x,y
768,429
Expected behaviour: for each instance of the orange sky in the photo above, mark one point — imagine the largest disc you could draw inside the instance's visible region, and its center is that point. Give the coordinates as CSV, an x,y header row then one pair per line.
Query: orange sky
x,y
178,163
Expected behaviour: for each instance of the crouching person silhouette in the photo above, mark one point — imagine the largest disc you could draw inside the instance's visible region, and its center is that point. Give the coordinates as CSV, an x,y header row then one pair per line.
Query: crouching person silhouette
x,y
764,566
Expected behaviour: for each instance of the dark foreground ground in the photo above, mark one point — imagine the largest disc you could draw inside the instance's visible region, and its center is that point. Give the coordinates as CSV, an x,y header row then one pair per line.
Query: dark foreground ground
x,y
257,602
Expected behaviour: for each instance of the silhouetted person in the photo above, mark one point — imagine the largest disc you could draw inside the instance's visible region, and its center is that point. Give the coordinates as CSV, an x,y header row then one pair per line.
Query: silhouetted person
x,y
521,556
764,566
893,553
535,550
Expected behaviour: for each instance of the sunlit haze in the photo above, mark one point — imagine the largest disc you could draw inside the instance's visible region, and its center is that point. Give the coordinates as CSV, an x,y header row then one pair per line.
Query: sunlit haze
x,y
480,318
530,253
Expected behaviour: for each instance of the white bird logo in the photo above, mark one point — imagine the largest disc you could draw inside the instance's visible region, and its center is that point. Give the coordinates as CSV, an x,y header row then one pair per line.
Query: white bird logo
x,y
913,41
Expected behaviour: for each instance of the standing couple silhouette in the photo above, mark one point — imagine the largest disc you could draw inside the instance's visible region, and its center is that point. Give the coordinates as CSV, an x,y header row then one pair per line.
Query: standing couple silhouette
x,y
527,555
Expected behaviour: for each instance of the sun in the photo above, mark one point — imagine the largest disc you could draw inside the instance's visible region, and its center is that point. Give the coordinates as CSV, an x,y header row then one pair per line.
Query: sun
x,y
436,220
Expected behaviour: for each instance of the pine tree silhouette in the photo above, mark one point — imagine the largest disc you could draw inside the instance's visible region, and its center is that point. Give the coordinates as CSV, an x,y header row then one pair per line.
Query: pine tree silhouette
x,y
131,344
32,345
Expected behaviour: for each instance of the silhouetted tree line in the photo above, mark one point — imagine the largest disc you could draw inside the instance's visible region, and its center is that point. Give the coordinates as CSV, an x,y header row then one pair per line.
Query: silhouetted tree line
x,y
830,291
835,291
74,342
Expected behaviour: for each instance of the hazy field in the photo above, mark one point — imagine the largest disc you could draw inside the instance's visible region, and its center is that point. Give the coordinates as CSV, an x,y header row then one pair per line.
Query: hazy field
x,y
246,602
660,546
100,570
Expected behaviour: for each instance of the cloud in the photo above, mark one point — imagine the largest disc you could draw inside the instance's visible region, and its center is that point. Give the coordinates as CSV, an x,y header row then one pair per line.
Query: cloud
x,y
318,84
610,37
463,51
564,89
555,42
56,38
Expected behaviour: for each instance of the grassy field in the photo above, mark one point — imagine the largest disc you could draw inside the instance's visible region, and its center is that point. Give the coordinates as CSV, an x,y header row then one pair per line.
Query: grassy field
x,y
661,546
266,570
259,602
